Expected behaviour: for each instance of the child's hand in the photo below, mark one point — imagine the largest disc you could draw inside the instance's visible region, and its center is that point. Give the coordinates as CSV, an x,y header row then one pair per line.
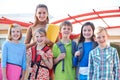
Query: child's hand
x,y
22,78
30,69
42,55
61,56
77,53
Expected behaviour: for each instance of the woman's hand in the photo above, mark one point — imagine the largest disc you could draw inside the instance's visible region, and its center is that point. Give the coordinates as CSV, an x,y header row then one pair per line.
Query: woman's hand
x,y
47,40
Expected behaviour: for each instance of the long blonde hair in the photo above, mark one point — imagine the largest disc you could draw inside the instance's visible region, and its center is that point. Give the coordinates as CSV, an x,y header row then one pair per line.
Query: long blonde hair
x,y
14,26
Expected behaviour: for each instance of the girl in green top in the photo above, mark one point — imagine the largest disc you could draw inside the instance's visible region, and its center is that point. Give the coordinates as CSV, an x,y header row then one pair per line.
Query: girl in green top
x,y
69,72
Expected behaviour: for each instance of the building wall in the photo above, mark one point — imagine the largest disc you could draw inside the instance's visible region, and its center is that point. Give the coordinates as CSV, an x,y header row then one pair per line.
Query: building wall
x,y
114,34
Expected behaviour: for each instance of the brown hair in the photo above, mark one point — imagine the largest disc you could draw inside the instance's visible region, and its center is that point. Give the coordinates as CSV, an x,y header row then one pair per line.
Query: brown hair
x,y
36,19
82,39
14,26
66,23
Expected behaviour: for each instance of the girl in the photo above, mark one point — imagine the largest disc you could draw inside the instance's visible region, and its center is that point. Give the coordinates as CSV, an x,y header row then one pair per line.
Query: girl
x,y
41,57
64,71
41,21
85,45
13,55
104,62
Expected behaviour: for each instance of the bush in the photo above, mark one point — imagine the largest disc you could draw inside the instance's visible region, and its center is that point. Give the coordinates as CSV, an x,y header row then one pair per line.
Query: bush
x,y
117,46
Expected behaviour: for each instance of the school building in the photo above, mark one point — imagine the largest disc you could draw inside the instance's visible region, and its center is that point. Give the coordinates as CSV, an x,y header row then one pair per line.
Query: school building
x,y
110,19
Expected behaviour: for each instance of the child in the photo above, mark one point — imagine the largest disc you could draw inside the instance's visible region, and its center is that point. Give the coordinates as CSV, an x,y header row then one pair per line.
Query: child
x,y
13,55
85,45
103,60
42,59
63,60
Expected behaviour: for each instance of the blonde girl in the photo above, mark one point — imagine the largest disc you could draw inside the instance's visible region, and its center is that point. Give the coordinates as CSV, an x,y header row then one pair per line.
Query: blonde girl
x,y
13,55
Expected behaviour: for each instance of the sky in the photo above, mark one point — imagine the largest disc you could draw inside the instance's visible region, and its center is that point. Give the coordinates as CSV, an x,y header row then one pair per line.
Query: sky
x,y
58,9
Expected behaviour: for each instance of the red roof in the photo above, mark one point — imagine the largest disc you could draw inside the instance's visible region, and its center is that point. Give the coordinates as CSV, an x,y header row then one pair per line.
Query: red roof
x,y
94,15
4,20
80,18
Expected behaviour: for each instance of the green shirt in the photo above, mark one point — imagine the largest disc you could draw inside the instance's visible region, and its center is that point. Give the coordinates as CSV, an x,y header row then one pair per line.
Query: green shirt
x,y
69,72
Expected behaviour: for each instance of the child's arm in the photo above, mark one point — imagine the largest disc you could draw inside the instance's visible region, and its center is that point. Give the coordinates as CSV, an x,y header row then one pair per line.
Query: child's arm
x,y
24,60
49,62
4,60
23,75
4,73
47,58
28,39
116,65
28,45
75,59
24,65
90,67
60,57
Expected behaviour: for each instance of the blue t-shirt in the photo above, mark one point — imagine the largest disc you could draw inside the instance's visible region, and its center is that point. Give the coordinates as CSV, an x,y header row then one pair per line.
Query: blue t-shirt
x,y
87,48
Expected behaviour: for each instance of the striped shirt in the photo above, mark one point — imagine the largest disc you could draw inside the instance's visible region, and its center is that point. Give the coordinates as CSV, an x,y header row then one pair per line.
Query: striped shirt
x,y
104,64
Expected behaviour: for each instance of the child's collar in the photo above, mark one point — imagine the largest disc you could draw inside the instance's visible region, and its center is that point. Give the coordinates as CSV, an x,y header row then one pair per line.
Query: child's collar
x,y
106,47
66,41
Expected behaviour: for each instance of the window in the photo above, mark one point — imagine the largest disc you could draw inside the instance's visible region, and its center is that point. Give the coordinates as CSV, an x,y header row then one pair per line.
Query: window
x,y
1,42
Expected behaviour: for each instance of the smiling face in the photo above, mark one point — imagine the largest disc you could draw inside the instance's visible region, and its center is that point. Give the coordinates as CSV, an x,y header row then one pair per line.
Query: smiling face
x,y
15,33
42,14
87,32
39,37
101,38
66,31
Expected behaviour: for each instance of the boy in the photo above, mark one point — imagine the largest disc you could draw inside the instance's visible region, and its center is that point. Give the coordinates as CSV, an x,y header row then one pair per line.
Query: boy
x,y
63,60
104,59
